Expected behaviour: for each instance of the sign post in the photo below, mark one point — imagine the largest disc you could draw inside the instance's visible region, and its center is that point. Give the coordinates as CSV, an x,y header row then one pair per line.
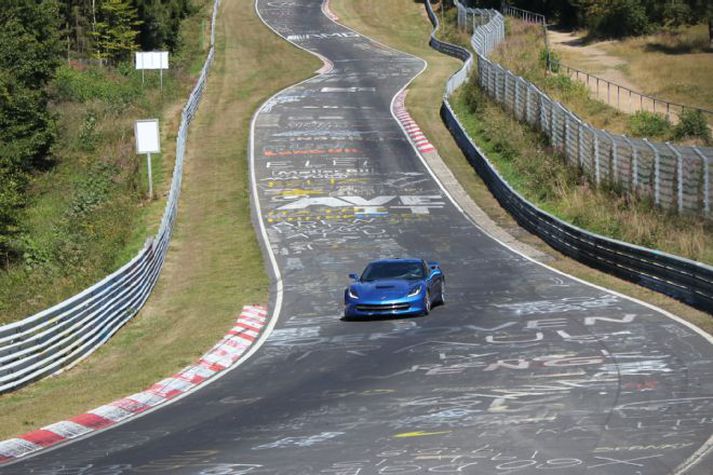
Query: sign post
x,y
148,141
152,60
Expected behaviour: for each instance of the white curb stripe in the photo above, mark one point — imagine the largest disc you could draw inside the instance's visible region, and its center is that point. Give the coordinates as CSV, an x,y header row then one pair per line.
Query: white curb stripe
x,y
223,355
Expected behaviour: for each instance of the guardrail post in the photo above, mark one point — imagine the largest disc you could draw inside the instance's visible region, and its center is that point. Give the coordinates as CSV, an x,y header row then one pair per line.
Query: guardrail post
x,y
502,83
679,175
657,184
706,181
493,76
553,135
579,143
566,131
614,160
597,176
634,163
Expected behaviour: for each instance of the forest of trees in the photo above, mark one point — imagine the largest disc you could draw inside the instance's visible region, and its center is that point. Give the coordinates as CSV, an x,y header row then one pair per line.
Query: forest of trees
x,y
36,36
617,18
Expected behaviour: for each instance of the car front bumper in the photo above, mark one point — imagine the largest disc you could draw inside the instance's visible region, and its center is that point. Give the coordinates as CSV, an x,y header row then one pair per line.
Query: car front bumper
x,y
366,308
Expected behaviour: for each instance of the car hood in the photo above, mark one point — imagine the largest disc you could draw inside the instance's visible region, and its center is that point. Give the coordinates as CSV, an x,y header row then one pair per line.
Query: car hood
x,y
384,289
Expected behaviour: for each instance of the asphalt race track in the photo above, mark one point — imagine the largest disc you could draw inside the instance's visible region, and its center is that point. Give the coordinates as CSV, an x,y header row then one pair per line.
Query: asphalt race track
x,y
524,370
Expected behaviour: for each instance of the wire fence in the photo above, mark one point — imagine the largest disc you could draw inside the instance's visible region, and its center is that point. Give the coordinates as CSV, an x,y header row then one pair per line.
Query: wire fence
x,y
57,338
524,15
626,99
688,281
674,177
614,94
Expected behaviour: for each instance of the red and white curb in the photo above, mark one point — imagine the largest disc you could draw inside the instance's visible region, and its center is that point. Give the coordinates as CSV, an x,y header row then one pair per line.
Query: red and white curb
x,y
223,355
328,12
410,125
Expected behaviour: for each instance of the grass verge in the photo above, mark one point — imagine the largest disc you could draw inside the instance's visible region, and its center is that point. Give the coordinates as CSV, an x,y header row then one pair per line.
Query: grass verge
x,y
403,24
214,265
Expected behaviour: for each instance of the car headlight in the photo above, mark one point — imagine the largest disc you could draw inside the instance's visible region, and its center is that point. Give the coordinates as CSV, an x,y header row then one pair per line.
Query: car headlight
x,y
414,291
352,293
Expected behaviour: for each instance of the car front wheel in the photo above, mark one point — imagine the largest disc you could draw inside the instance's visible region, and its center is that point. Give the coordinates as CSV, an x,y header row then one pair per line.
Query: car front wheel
x,y
427,303
442,294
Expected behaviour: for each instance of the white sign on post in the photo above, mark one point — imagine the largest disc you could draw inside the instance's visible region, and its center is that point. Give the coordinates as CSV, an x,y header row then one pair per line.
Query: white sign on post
x,y
148,141
152,60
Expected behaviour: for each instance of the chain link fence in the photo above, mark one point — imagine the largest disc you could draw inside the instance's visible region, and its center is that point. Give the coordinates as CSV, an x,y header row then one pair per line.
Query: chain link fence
x,y
57,338
674,177
614,94
683,279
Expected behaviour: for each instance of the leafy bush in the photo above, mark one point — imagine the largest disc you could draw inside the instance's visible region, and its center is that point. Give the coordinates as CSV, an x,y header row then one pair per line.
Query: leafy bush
x,y
617,18
648,124
87,133
471,95
72,84
550,60
565,88
692,123
676,14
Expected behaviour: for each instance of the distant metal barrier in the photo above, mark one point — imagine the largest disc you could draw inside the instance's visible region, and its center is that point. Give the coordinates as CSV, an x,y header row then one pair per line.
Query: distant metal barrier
x,y
612,93
628,100
524,15
57,338
682,279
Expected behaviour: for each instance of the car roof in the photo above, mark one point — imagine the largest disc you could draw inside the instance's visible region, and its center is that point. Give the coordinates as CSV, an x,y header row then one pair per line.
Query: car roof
x,y
392,261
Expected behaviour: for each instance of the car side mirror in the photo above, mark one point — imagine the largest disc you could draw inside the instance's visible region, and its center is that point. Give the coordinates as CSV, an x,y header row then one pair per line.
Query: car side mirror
x,y
354,277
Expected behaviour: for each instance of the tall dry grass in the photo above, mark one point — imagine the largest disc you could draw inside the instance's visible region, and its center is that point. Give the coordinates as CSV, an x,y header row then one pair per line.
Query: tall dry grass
x,y
543,176
523,53
674,65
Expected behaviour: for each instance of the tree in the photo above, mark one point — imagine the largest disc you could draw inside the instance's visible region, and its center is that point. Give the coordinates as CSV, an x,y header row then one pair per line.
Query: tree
x,y
30,51
116,31
77,18
161,22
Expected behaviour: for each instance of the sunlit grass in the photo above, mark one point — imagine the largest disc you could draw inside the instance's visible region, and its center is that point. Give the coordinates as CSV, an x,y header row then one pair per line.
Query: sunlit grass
x,y
214,265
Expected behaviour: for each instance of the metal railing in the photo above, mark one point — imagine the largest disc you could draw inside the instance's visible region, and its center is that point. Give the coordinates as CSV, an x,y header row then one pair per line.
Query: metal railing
x,y
524,15
472,18
614,94
57,338
625,99
688,281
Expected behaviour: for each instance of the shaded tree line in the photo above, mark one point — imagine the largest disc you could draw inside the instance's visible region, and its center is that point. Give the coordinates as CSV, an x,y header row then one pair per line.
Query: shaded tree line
x,y
36,36
109,30
617,18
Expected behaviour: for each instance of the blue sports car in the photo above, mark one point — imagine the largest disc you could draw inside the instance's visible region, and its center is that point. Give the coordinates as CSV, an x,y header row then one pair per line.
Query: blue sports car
x,y
395,287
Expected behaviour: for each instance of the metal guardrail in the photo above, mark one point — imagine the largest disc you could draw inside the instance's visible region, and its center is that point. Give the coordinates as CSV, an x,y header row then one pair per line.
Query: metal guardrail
x,y
617,95
683,279
524,15
59,337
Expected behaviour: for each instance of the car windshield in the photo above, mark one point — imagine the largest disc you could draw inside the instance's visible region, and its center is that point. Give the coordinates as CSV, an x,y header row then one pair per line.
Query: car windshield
x,y
393,270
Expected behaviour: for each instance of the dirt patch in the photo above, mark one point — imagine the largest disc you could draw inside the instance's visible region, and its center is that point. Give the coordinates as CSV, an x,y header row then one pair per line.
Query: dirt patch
x,y
592,58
